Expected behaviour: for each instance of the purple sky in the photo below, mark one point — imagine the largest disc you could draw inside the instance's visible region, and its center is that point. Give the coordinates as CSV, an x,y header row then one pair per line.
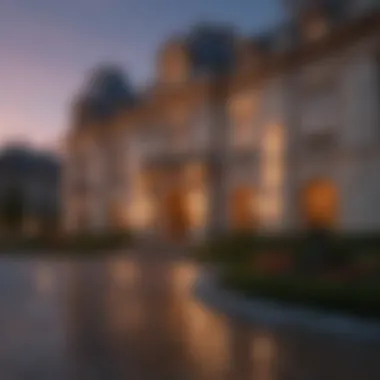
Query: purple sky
x,y
46,47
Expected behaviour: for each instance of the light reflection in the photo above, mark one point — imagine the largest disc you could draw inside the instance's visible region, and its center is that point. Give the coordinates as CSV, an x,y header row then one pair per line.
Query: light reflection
x,y
207,338
98,320
125,316
272,173
206,334
264,356
197,201
184,276
141,212
124,272
125,310
44,279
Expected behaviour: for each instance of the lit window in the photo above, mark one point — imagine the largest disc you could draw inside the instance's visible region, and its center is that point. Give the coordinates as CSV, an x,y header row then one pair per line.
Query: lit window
x,y
320,202
242,115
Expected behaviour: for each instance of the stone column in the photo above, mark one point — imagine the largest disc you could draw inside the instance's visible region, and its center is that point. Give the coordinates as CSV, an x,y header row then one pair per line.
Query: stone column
x,y
218,160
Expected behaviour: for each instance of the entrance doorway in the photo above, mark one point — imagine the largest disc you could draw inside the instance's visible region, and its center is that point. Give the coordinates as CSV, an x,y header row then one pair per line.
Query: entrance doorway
x,y
175,213
241,208
319,203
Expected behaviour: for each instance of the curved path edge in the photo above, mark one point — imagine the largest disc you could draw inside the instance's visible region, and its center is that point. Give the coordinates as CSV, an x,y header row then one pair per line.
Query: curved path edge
x,y
207,290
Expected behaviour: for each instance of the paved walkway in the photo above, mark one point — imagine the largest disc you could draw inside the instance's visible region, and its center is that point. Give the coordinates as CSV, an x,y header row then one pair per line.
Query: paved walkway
x,y
133,317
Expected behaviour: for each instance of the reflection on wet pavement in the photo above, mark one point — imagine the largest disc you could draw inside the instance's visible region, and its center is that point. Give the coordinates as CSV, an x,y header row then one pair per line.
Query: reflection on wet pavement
x,y
135,318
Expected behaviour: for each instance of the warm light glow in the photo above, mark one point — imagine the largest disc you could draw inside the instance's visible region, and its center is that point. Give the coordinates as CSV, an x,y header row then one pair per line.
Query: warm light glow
x,y
243,208
272,169
270,209
273,174
273,140
264,356
205,333
141,212
320,202
241,109
197,201
125,311
211,353
184,275
195,175
124,272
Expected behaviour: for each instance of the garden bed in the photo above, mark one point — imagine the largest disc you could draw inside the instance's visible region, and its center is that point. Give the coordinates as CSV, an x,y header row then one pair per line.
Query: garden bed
x,y
67,244
323,271
356,298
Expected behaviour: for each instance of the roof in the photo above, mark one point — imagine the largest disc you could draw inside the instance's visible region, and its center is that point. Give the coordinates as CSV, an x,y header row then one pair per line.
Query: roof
x,y
20,160
297,52
106,92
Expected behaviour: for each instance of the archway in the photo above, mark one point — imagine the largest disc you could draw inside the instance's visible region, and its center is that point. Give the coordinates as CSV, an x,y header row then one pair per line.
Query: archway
x,y
175,213
319,203
241,210
116,216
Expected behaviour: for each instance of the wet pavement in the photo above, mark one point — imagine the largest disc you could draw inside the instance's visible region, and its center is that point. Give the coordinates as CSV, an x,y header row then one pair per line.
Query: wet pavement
x,y
133,317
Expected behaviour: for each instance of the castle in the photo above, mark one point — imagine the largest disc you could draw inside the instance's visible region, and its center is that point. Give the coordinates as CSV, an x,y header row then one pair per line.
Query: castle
x,y
273,133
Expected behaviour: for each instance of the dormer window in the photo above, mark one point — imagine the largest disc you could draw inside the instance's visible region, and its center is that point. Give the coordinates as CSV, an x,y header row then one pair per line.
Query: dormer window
x,y
242,109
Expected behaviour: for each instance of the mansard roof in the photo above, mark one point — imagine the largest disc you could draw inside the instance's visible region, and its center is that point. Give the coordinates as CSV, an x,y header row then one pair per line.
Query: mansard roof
x,y
105,93
282,49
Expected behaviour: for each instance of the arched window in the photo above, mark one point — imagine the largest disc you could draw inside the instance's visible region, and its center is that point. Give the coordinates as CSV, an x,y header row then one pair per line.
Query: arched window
x,y
242,208
319,203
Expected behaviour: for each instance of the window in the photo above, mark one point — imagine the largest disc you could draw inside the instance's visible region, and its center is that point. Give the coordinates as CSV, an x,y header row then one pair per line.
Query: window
x,y
178,128
242,117
319,203
319,98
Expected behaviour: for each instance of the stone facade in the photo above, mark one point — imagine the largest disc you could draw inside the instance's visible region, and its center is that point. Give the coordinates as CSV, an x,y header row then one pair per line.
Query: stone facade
x,y
304,108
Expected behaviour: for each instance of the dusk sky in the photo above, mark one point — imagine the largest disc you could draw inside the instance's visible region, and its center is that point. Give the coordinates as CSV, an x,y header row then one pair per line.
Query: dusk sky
x,y
47,46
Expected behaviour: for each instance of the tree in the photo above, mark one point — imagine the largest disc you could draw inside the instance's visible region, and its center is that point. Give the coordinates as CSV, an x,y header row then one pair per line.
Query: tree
x,y
12,210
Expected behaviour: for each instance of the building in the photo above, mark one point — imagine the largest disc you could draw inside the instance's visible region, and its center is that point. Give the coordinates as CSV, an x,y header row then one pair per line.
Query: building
x,y
274,132
29,190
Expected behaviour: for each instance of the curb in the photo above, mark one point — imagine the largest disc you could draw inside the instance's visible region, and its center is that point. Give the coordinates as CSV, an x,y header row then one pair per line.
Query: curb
x,y
272,314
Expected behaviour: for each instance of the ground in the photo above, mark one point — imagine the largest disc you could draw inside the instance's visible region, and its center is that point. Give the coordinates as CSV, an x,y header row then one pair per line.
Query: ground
x,y
133,316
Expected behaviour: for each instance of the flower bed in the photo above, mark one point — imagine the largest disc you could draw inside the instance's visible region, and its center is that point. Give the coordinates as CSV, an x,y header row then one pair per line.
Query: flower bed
x,y
359,298
68,244
320,270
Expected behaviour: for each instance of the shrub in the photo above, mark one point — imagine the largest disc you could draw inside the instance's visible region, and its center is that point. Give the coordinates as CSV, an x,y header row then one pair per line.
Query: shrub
x,y
96,242
69,243
316,253
228,249
358,298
